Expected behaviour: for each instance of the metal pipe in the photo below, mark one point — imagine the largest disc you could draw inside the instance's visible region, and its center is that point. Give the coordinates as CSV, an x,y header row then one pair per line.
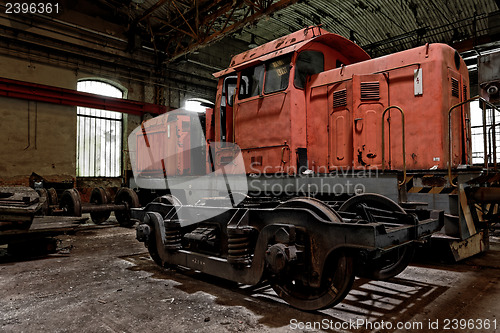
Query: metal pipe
x,y
487,194
450,137
204,65
492,128
403,135
264,147
492,138
485,137
93,208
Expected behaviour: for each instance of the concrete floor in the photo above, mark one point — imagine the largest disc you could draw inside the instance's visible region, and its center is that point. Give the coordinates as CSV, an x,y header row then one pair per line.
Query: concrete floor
x,y
108,283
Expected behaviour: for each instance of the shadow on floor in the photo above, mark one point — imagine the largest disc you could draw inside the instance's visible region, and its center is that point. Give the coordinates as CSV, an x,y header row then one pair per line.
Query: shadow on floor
x,y
371,300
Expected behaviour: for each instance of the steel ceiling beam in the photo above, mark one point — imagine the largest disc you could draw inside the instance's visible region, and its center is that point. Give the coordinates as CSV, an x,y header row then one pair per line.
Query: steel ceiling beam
x,y
221,18
55,95
148,12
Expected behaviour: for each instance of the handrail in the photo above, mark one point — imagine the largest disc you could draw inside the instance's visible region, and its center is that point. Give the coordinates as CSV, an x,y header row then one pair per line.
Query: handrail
x,y
403,135
492,137
493,121
485,137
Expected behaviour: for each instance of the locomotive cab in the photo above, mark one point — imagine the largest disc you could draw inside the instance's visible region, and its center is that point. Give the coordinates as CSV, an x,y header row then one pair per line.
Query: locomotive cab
x,y
261,99
314,100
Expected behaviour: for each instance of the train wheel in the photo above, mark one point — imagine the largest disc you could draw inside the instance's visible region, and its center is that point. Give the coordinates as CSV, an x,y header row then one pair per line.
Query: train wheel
x,y
52,196
44,199
99,197
151,242
393,262
153,251
338,273
126,196
71,203
338,277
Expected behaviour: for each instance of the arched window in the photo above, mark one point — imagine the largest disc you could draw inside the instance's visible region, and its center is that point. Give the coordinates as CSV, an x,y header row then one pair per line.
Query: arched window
x,y
99,134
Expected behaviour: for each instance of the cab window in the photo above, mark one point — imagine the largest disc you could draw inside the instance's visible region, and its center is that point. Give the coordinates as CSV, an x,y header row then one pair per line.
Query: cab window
x,y
308,63
277,74
229,90
253,78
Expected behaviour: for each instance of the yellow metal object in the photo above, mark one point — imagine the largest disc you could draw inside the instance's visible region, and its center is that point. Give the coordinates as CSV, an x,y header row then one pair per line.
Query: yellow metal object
x,y
471,246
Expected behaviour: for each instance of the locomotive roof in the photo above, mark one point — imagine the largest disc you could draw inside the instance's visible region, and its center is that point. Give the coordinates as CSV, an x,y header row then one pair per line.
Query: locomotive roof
x,y
291,43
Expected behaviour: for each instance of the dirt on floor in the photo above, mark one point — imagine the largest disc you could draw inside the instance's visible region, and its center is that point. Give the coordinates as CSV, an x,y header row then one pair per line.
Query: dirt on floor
x,y
104,281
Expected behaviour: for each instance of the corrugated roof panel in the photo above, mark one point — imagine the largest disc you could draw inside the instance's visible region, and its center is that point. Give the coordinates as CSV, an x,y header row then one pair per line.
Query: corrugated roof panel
x,y
394,24
380,26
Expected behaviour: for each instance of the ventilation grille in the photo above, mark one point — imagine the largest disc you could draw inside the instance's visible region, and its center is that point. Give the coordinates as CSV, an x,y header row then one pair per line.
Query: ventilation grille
x,y
454,87
370,90
340,98
465,93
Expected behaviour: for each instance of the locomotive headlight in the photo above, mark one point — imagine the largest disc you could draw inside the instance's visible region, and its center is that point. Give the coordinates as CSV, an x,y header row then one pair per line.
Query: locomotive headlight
x,y
492,90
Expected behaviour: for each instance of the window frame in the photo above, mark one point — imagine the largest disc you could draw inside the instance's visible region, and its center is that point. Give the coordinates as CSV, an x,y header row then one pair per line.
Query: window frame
x,y
247,79
288,63
296,65
91,124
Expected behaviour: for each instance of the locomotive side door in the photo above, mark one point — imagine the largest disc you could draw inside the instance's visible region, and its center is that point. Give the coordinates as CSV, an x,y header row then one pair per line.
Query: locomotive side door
x,y
339,125
370,98
262,115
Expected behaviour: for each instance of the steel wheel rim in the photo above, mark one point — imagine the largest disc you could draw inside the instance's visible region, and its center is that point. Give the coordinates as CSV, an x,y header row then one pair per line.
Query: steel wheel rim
x,y
99,197
393,262
338,271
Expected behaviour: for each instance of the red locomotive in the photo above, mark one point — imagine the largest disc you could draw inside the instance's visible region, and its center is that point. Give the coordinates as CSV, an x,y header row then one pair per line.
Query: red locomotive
x,y
316,96
350,161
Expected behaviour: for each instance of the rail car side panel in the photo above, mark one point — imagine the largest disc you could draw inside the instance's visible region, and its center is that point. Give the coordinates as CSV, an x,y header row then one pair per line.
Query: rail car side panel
x,y
418,81
166,141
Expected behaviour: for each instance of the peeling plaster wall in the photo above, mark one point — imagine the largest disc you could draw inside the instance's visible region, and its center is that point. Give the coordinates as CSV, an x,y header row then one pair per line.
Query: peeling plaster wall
x,y
46,144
